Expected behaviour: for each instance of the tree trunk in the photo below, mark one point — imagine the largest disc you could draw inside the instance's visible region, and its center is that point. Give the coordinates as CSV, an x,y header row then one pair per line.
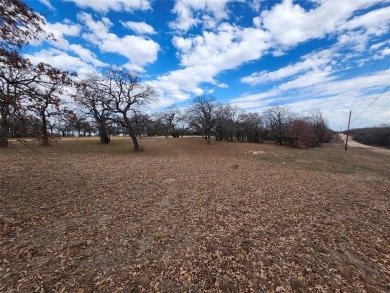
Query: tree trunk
x,y
4,127
132,134
45,137
207,136
133,138
104,138
3,135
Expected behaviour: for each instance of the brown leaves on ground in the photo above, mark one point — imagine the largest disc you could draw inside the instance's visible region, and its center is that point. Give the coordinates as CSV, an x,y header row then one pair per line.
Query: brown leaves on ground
x,y
183,216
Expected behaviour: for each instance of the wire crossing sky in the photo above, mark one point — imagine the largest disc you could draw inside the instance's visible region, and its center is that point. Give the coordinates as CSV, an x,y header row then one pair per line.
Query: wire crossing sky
x,y
331,55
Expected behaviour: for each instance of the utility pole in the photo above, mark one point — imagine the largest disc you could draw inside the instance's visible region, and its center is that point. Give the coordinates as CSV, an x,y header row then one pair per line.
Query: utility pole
x,y
349,123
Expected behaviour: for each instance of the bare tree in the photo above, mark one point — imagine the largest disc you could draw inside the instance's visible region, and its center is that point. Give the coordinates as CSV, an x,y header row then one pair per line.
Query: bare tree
x,y
277,118
95,101
76,121
183,125
19,24
226,119
126,97
251,127
140,123
202,113
171,117
12,78
320,127
44,95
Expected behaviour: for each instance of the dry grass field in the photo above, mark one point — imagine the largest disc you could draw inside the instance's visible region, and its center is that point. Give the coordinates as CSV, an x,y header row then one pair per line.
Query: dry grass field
x,y
183,216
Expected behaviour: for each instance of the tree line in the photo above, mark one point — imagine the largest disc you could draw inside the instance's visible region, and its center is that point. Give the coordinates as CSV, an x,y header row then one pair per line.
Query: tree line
x,y
113,101
376,136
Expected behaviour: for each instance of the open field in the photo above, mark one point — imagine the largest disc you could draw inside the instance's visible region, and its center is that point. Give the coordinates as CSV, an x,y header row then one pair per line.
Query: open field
x,y
186,217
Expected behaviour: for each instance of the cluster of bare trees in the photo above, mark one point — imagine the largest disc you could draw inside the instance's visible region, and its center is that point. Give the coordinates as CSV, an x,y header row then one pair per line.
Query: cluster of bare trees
x,y
32,96
276,123
206,117
26,91
115,96
377,136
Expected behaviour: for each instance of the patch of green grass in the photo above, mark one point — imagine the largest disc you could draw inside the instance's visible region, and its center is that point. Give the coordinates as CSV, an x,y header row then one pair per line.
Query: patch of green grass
x,y
329,160
272,160
328,169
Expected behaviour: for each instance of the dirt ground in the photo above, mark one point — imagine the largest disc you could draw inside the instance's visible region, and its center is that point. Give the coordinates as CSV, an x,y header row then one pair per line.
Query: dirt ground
x,y
183,216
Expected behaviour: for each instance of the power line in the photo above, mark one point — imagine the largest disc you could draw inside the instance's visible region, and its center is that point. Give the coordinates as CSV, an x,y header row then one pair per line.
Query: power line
x,y
372,69
385,90
388,65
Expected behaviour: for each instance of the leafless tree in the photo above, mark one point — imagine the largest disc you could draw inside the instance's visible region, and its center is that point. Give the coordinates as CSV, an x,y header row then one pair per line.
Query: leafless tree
x,y
76,121
19,24
126,96
95,102
226,122
202,113
12,79
320,128
277,118
171,117
251,128
44,95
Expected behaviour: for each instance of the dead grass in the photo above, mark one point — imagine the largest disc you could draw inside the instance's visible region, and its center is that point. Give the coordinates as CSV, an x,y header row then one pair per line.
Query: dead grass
x,y
186,217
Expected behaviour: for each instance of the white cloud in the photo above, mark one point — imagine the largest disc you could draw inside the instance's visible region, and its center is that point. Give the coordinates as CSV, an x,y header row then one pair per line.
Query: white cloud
x,y
139,27
139,50
104,6
255,5
227,48
86,55
61,60
223,85
378,45
61,30
376,18
133,67
359,84
386,52
211,13
205,56
311,78
182,44
185,19
47,4
310,62
291,24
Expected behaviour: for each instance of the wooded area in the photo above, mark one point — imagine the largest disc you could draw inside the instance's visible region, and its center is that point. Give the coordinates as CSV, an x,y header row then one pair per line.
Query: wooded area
x,y
375,136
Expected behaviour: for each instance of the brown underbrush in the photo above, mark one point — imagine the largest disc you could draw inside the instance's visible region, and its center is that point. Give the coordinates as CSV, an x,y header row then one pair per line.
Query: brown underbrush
x,y
184,216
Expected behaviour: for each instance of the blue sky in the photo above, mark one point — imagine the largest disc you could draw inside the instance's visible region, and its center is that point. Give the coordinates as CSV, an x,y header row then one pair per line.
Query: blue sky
x,y
332,55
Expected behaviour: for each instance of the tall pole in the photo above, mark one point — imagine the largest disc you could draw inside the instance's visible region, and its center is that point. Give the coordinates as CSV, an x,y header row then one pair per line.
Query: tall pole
x,y
349,123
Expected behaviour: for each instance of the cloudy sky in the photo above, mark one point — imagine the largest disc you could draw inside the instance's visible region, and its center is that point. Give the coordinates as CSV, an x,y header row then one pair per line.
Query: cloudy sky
x,y
332,55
